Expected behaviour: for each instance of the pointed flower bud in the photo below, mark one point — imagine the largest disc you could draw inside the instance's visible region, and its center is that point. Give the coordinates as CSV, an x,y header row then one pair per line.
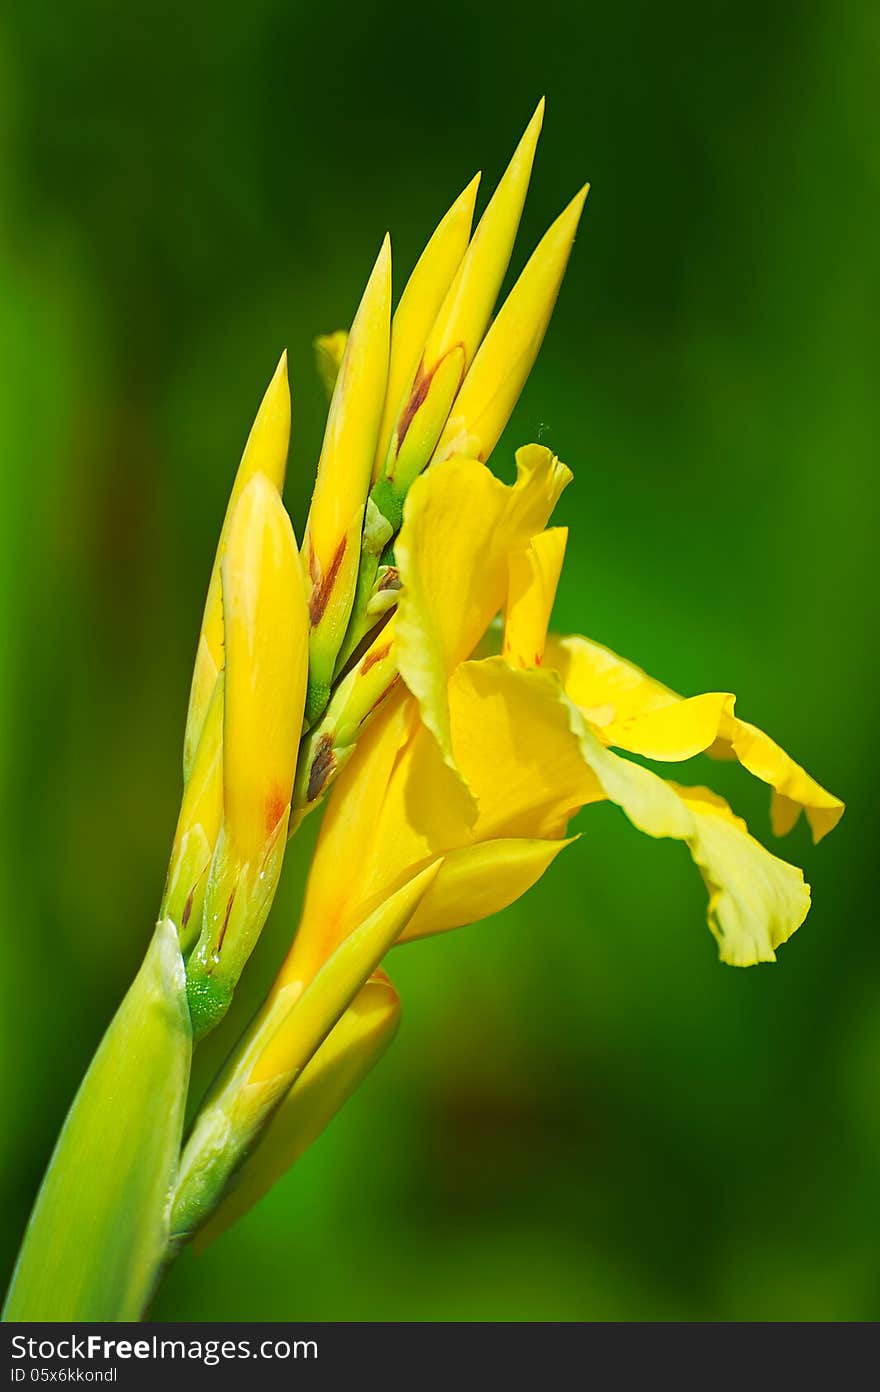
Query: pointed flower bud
x,y
331,549
457,331
265,647
419,306
507,353
265,453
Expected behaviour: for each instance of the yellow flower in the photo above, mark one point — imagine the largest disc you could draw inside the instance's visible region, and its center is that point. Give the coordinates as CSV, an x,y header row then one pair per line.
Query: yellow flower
x,y
484,762
459,736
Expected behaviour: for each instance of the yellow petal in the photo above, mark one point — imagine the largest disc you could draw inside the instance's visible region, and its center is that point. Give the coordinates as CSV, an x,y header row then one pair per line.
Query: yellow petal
x,y
671,733
507,353
265,453
265,628
793,788
472,295
633,711
394,808
598,680
533,575
480,880
756,901
352,1048
283,1050
352,834
419,306
331,549
460,525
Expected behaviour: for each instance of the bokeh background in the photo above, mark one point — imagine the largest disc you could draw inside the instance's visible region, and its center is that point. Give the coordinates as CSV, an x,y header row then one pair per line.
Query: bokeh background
x,y
585,1115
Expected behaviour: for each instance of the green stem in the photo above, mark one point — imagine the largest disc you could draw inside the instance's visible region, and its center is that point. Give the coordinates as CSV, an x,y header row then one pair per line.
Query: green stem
x,y
96,1241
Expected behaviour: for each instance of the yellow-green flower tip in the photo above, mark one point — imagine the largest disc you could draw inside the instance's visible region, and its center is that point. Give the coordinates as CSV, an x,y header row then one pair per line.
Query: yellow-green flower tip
x,y
331,549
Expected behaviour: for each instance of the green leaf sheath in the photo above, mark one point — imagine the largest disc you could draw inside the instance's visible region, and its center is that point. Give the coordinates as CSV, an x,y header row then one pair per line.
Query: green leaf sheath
x,y
97,1237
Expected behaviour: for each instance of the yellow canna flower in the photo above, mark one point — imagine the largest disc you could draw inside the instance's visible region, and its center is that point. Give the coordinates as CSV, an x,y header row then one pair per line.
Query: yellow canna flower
x,y
265,628
484,762
332,543
403,658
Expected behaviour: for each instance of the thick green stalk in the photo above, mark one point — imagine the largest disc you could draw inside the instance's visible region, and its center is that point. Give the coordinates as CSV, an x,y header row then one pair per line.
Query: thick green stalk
x,y
97,1237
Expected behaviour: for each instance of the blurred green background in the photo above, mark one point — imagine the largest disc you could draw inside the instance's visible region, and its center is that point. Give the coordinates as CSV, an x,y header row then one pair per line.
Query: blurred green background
x,y
585,1115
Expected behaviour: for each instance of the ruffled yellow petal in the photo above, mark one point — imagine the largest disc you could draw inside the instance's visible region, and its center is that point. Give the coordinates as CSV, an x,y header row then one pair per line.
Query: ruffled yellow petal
x,y
460,525
632,711
533,575
756,901
793,788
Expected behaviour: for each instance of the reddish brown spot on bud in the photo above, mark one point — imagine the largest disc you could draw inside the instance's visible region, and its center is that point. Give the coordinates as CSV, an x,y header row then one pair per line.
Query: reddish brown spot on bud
x,y
226,920
390,580
323,764
322,585
374,656
418,395
385,694
276,806
187,908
